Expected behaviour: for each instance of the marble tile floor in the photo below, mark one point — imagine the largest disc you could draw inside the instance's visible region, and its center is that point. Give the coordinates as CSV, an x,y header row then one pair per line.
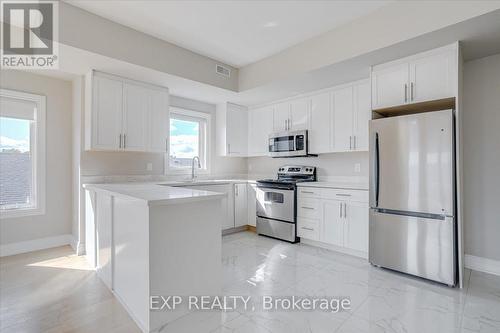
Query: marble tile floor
x,y
67,297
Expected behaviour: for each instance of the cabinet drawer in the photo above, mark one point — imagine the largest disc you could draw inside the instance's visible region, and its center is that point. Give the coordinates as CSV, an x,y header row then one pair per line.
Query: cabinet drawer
x,y
308,208
312,192
308,228
346,195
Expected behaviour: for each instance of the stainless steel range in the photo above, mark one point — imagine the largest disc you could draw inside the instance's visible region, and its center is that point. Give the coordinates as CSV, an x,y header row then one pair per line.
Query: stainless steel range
x,y
277,202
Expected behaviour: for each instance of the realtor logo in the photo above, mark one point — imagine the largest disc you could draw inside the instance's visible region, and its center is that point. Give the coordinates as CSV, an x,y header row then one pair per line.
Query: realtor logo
x,y
29,34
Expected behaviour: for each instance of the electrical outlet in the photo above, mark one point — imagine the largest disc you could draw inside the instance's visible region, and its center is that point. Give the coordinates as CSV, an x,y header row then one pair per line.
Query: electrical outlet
x,y
357,167
149,166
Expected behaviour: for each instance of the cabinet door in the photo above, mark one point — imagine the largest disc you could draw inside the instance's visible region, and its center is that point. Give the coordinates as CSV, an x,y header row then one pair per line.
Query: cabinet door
x,y
104,238
135,117
251,204
299,114
107,105
332,231
356,217
343,119
227,201
390,86
236,130
362,116
433,77
240,205
320,126
158,121
281,117
260,125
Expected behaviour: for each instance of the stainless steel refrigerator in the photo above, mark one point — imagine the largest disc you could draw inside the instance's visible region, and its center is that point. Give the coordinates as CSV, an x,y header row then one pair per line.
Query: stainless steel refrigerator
x,y
412,195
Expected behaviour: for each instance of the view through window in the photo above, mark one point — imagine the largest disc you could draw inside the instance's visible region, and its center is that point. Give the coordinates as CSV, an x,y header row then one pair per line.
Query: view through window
x,y
16,164
184,142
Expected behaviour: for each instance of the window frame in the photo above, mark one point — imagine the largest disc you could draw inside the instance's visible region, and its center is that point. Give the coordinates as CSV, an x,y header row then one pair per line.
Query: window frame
x,y
204,140
37,146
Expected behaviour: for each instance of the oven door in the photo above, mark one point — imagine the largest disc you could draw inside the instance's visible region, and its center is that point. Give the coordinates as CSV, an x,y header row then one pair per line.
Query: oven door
x,y
276,203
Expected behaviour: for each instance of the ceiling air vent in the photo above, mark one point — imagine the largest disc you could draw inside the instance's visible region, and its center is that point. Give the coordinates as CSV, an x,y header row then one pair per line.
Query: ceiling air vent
x,y
221,70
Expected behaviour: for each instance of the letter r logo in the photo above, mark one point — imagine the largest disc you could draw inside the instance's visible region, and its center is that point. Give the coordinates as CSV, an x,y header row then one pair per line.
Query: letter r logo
x,y
27,27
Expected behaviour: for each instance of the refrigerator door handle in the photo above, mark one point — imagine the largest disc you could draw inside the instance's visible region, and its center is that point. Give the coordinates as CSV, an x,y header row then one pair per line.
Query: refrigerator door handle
x,y
377,169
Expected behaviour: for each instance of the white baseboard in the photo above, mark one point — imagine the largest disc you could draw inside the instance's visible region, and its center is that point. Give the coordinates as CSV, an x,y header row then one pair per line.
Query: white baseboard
x,y
35,245
482,264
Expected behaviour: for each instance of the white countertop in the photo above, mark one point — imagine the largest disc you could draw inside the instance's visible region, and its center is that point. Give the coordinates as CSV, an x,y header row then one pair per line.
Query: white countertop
x,y
154,194
336,184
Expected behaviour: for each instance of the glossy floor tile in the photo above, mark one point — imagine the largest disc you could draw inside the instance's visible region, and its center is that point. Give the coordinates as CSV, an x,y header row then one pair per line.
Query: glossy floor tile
x,y
54,291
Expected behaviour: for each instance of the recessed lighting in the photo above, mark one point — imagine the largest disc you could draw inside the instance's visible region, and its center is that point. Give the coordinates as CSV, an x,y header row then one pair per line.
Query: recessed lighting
x,y
271,24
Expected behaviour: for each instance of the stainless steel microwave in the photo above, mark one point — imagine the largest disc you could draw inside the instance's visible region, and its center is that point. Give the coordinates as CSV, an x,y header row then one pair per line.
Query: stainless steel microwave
x,y
288,144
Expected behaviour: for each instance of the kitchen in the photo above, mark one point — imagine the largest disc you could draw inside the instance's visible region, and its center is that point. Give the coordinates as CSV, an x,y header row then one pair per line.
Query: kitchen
x,y
302,179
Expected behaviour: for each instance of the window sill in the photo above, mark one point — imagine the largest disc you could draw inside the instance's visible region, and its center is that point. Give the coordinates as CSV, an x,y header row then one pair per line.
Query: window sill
x,y
13,213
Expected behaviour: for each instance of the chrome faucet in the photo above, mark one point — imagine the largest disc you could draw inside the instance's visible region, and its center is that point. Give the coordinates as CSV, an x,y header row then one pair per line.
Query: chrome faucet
x,y
192,166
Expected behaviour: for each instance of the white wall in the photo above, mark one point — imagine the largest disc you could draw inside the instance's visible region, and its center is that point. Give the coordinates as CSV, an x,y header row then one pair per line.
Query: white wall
x,y
337,166
57,219
481,153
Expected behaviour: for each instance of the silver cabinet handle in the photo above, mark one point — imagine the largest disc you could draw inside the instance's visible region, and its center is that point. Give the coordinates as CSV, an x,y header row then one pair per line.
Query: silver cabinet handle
x,y
305,228
340,210
166,145
354,139
308,192
342,195
236,190
229,148
120,144
310,208
345,210
411,91
350,142
406,93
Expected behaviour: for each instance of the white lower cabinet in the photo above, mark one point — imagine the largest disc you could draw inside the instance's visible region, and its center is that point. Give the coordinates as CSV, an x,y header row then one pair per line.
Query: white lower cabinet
x,y
252,204
227,202
334,217
240,205
104,238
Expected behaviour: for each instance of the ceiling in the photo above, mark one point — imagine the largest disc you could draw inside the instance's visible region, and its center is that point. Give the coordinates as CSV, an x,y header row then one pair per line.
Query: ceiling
x,y
234,32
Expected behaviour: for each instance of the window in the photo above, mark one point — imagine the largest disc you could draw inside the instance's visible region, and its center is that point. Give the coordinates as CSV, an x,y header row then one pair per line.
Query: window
x,y
22,154
188,138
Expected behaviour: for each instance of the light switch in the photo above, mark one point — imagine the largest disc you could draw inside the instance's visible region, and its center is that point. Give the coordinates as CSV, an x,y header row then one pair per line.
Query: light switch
x,y
357,167
149,166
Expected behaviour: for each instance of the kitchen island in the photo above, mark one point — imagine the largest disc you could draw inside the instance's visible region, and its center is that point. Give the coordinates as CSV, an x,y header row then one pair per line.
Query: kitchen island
x,y
151,240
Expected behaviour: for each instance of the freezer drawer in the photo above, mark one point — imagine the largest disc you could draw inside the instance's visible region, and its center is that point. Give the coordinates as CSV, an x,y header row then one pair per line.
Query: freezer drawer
x,y
415,245
277,229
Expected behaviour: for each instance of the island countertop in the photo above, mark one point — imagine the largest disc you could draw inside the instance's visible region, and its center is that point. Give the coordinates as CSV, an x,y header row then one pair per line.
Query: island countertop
x,y
155,194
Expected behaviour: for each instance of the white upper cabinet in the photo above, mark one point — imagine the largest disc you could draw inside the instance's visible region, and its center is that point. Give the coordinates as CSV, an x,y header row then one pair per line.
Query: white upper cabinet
x,y
104,119
389,86
343,112
260,125
319,132
291,115
125,115
281,117
433,77
135,117
232,130
426,76
299,114
351,114
361,115
159,123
